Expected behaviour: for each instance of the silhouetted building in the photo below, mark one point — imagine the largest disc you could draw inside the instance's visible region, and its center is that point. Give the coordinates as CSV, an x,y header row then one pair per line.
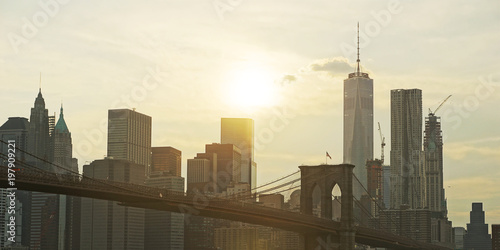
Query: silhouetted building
x,y
458,237
44,213
358,123
294,203
129,136
200,170
441,231
412,223
15,129
375,186
164,230
212,173
477,236
433,150
68,209
201,178
286,240
374,179
166,159
495,237
225,160
50,145
236,238
240,132
386,175
106,224
199,233
407,173
441,228
38,135
63,147
272,200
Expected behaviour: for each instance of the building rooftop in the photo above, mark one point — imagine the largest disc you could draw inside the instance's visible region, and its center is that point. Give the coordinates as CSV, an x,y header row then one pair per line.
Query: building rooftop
x,y
61,126
15,123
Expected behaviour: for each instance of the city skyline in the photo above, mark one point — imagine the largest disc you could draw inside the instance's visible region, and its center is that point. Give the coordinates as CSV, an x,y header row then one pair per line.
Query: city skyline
x,y
305,67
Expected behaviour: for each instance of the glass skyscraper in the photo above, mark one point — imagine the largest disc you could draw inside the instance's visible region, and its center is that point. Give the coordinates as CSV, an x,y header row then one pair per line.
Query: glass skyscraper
x,y
358,124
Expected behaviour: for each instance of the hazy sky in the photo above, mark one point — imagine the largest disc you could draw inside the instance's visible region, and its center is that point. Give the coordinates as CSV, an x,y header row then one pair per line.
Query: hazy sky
x,y
282,63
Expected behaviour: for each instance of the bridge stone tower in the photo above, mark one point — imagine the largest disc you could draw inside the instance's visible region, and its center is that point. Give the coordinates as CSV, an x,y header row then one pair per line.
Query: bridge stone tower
x,y
326,177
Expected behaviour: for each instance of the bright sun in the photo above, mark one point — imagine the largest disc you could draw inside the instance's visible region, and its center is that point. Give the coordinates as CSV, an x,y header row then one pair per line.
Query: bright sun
x,y
251,87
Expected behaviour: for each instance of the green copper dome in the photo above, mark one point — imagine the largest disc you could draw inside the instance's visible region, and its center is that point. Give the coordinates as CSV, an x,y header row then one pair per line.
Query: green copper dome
x,y
61,126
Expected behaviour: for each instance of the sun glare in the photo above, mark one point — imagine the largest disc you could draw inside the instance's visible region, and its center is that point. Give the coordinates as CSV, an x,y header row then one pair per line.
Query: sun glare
x,y
251,87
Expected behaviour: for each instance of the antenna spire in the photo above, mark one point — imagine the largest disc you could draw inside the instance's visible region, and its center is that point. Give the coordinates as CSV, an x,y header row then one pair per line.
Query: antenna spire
x,y
358,51
40,84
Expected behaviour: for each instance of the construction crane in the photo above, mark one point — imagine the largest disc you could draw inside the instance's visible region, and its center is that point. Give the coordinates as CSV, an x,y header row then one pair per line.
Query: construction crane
x,y
440,105
382,139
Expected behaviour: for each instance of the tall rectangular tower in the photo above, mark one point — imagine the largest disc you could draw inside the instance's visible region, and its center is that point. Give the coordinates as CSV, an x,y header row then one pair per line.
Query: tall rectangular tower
x,y
129,136
407,174
240,132
38,133
433,150
358,124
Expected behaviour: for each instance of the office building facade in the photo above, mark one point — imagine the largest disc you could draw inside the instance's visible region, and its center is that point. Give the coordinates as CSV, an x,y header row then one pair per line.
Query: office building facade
x,y
164,230
106,224
225,164
433,150
407,168
129,136
358,124
458,237
38,135
166,159
15,129
495,237
199,171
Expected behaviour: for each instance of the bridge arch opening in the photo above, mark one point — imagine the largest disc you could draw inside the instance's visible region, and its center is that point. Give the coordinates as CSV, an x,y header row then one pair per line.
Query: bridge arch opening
x,y
316,200
336,202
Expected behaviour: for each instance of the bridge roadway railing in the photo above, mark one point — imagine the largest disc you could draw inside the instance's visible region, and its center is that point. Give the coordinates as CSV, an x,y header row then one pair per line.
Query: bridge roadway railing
x,y
258,214
85,184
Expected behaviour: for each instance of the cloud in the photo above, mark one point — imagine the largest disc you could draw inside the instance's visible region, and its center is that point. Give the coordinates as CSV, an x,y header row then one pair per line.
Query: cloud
x,y
287,79
459,151
333,66
472,189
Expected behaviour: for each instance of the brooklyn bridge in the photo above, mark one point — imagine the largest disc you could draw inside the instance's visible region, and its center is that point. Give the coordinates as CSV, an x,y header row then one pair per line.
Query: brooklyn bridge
x,y
316,232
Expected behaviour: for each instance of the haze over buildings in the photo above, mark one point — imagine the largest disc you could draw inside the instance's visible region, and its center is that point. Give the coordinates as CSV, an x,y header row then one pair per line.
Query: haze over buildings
x,y
183,63
240,132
